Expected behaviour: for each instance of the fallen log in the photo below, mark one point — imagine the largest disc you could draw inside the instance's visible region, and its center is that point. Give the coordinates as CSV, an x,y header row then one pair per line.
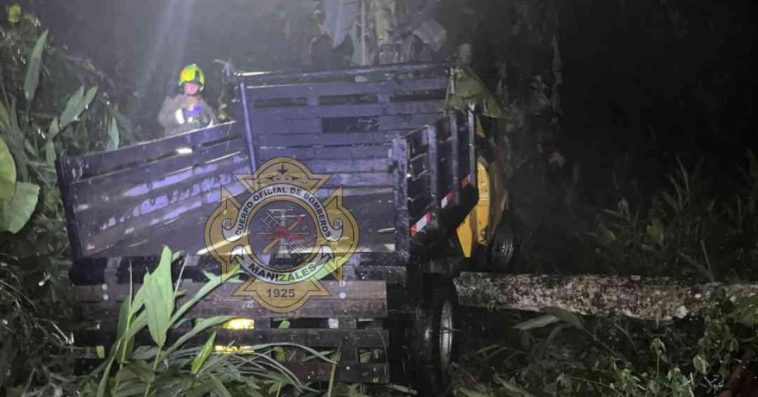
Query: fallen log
x,y
630,296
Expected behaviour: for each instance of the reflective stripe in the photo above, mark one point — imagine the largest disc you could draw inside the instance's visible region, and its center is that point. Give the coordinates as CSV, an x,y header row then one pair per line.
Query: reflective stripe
x,y
421,224
179,115
447,199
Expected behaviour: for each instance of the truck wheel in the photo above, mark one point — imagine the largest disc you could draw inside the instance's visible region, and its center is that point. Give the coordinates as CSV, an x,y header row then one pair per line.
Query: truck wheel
x,y
433,338
504,248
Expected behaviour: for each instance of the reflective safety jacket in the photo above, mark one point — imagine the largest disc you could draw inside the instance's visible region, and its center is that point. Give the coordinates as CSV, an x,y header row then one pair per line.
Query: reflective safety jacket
x,y
184,113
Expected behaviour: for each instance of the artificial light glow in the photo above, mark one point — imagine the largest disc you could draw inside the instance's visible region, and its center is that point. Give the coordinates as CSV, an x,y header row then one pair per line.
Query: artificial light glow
x,y
240,323
184,150
232,349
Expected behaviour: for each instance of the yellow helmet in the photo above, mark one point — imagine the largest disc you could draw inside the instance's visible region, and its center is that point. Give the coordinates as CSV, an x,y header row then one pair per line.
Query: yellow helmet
x,y
192,73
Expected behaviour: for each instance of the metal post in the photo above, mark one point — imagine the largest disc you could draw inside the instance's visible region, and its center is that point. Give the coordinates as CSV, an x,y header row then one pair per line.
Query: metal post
x,y
454,153
364,55
432,161
474,167
248,127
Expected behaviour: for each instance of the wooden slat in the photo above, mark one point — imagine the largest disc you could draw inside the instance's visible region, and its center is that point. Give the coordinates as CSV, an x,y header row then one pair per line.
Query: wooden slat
x,y
118,292
417,165
340,164
99,163
367,73
262,124
92,271
311,337
305,112
102,225
147,171
306,155
345,88
185,230
327,139
433,160
418,184
309,371
107,193
366,302
402,239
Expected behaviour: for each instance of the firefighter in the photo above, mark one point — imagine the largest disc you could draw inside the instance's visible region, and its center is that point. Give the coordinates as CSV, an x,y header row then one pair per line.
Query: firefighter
x,y
187,111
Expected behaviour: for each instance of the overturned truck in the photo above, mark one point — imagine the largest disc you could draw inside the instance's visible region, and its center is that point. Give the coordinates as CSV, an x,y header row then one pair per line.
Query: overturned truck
x,y
349,198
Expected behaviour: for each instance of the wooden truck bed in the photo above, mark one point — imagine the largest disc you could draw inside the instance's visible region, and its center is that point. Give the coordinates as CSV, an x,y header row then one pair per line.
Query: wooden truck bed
x,y
406,170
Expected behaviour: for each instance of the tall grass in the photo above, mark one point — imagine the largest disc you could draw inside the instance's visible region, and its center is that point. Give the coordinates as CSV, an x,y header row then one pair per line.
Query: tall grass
x,y
687,230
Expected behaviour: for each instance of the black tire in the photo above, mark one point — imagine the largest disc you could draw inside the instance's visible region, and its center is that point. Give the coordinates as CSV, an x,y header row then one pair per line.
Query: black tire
x,y
433,338
504,249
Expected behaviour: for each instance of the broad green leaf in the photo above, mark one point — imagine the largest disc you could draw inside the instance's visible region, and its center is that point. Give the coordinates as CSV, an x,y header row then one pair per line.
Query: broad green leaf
x,y
139,300
279,353
339,17
88,98
657,346
512,389
157,316
18,211
125,375
114,136
13,119
30,147
50,155
655,231
143,370
121,327
213,283
103,384
5,118
130,389
203,355
746,311
123,316
137,325
35,62
565,316
605,235
701,365
162,275
537,322
144,353
76,105
53,130
124,324
219,387
71,111
200,326
472,393
466,89
159,298
432,34
7,174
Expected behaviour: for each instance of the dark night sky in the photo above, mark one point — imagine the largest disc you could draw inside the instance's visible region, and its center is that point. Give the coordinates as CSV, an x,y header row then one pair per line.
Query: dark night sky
x,y
637,81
